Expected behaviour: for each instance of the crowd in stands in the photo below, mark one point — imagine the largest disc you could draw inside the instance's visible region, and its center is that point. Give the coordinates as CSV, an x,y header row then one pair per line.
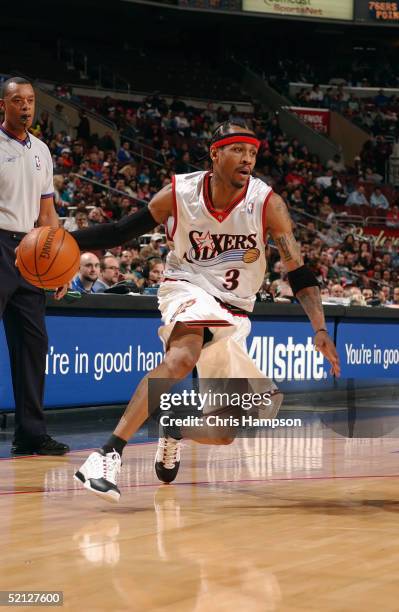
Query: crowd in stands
x,y
98,182
374,71
376,114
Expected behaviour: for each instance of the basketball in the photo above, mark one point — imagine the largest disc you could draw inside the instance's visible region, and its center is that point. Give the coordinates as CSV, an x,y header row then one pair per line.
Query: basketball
x,y
251,255
48,257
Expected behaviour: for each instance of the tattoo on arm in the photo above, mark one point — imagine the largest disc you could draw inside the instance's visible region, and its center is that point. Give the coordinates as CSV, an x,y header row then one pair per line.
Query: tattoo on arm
x,y
311,303
289,249
285,240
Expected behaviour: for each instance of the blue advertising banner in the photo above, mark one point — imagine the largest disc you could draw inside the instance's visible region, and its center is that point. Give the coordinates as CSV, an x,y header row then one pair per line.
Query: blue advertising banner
x,y
91,360
283,350
368,350
100,360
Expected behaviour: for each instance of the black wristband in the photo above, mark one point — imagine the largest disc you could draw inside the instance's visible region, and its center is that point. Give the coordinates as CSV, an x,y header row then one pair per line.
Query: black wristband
x,y
109,235
301,278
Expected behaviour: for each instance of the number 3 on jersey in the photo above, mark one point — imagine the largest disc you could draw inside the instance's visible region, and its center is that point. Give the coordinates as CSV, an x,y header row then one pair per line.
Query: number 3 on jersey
x,y
231,278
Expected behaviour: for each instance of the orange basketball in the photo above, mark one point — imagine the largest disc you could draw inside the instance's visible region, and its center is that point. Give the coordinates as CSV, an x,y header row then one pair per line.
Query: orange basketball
x,y
48,257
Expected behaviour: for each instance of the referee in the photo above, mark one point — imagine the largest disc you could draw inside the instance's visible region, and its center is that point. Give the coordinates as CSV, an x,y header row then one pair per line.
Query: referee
x,y
26,199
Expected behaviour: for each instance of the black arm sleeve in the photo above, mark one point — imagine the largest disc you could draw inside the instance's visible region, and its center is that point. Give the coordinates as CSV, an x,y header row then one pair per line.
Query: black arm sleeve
x,y
109,235
301,278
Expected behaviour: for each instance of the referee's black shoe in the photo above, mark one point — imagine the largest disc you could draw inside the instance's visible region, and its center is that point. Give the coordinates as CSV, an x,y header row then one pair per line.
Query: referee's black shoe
x,y
40,445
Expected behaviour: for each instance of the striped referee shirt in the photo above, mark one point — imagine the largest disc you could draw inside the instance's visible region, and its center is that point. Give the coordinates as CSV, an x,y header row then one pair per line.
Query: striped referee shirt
x,y
26,176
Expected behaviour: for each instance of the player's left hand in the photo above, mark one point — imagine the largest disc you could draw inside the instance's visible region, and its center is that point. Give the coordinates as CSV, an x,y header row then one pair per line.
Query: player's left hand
x,y
326,346
60,292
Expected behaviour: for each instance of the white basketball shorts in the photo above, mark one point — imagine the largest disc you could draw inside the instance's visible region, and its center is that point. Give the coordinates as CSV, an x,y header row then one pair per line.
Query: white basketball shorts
x,y
225,356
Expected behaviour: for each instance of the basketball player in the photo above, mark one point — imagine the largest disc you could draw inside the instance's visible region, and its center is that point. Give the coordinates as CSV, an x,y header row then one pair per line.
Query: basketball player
x,y
218,222
26,199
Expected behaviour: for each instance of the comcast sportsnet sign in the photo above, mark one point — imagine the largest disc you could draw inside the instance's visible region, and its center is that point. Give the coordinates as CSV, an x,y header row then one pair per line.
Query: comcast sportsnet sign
x,y
317,9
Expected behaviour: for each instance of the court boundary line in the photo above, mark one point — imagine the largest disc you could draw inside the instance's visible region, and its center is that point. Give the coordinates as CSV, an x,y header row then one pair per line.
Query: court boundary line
x,y
211,482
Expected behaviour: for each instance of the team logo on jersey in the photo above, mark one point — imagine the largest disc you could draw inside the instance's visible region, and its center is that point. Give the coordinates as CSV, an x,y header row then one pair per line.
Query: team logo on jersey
x,y
212,249
37,162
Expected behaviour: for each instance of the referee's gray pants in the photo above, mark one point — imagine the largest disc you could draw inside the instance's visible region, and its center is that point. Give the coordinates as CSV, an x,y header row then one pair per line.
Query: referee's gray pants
x,y
22,308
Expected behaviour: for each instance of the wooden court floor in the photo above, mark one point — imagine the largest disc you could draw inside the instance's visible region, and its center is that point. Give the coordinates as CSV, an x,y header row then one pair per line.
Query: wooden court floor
x,y
290,524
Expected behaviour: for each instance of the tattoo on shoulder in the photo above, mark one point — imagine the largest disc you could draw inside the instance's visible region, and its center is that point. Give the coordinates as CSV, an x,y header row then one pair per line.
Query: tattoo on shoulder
x,y
282,209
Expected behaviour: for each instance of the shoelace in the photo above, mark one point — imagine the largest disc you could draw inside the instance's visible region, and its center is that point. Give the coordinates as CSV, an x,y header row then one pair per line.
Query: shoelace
x,y
111,466
170,449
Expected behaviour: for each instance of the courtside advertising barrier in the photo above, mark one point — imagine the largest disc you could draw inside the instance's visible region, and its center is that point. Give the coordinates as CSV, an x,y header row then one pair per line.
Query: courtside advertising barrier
x,y
97,357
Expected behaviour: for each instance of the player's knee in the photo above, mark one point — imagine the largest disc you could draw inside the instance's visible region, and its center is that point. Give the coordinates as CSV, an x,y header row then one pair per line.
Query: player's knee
x,y
180,366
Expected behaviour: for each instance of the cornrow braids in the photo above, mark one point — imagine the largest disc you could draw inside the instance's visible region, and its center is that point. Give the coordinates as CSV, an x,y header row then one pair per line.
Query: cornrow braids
x,y
223,129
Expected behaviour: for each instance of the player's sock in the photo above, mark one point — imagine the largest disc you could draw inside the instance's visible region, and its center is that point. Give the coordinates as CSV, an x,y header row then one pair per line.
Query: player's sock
x,y
173,431
114,443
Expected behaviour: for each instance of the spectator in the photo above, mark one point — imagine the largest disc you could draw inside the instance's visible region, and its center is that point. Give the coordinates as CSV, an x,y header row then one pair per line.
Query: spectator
x,y
109,273
371,176
339,266
382,298
357,197
336,192
86,281
153,274
348,243
392,218
125,262
281,290
395,298
80,221
325,180
316,95
154,249
378,199
333,237
336,164
124,154
356,297
381,99
368,294
337,291
96,216
83,129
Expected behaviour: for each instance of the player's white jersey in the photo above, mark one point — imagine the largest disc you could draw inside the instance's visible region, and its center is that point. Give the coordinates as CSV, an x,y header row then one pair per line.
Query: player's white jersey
x,y
223,252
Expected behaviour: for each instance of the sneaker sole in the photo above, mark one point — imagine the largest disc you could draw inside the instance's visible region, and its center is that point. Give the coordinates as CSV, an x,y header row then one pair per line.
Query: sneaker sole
x,y
165,480
111,497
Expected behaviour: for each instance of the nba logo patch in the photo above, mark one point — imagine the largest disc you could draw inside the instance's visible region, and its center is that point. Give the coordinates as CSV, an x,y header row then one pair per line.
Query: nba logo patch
x,y
37,162
250,208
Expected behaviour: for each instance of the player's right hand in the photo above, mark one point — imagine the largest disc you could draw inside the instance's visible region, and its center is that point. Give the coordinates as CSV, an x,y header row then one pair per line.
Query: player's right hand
x,y
326,346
